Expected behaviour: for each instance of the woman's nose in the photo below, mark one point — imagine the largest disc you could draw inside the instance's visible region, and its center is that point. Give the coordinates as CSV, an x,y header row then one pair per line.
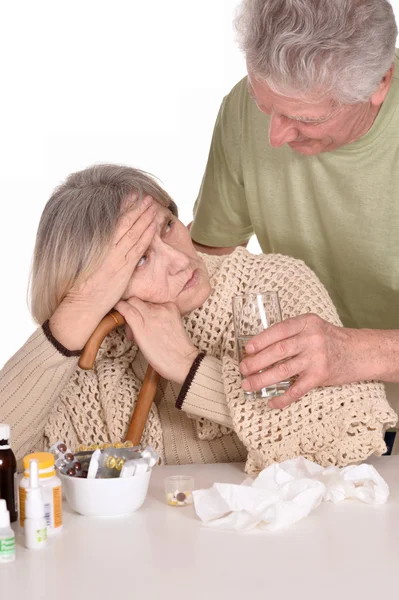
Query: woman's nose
x,y
175,260
281,131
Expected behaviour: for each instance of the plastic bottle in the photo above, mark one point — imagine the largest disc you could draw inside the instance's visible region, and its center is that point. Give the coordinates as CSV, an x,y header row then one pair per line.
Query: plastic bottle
x,y
50,486
35,528
8,473
7,536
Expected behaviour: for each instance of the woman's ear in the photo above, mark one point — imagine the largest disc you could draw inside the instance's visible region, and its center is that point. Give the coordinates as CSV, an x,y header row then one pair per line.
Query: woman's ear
x,y
381,92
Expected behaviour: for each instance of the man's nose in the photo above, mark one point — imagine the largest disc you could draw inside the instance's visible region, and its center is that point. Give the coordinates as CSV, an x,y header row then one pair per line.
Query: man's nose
x,y
281,131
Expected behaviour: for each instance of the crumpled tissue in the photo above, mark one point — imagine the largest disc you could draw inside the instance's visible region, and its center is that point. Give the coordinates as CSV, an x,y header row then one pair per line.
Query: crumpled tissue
x,y
285,493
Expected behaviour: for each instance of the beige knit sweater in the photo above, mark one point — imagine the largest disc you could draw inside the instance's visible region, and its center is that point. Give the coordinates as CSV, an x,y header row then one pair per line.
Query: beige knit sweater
x,y
46,397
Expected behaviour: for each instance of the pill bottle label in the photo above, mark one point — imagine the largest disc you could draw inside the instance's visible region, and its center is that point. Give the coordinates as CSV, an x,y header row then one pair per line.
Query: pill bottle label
x,y
22,498
47,513
7,549
57,504
52,498
41,535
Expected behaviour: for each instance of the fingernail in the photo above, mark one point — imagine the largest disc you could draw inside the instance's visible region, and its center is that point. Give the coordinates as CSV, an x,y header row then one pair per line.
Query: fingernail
x,y
245,385
271,404
147,200
243,369
249,348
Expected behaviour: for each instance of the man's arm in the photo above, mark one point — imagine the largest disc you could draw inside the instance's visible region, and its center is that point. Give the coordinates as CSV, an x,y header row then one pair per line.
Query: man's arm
x,y
221,215
213,249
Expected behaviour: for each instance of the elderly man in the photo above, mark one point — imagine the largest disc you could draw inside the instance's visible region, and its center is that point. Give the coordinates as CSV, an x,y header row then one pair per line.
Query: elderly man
x,y
305,154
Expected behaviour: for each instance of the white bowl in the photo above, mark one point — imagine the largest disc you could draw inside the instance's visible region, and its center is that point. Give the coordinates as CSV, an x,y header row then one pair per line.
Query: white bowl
x,y
106,497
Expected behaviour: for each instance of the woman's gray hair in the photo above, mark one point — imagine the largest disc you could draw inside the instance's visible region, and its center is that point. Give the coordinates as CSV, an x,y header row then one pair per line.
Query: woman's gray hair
x,y
77,225
337,48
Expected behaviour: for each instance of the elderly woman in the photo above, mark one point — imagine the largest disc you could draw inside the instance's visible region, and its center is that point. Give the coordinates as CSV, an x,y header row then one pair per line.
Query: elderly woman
x,y
110,237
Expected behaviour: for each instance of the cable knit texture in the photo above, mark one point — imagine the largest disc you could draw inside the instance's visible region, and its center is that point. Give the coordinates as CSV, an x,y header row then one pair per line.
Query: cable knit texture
x,y
331,425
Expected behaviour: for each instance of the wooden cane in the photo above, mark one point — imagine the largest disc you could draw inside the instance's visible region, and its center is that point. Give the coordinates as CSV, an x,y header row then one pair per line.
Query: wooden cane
x,y
150,383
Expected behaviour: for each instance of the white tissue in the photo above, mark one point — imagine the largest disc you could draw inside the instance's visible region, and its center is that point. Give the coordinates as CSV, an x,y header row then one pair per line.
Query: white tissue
x,y
284,493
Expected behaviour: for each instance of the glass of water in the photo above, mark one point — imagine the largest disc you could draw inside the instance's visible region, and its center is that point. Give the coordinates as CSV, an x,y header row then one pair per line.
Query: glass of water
x,y
253,313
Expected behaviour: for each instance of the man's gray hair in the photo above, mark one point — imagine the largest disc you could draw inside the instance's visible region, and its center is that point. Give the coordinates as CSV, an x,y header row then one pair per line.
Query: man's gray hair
x,y
339,48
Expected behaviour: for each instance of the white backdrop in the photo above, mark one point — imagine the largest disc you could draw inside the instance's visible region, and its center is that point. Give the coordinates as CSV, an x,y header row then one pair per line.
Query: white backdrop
x,y
132,81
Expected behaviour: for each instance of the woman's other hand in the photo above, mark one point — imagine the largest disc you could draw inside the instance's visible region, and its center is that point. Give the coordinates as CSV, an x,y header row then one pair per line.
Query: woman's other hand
x,y
92,297
159,333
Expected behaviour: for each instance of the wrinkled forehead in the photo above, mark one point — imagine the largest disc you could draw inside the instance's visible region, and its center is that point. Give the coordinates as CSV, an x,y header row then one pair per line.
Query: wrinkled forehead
x,y
313,105
135,199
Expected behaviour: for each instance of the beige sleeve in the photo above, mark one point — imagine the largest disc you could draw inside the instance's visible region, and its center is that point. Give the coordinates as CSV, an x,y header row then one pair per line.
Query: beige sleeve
x,y
30,382
205,396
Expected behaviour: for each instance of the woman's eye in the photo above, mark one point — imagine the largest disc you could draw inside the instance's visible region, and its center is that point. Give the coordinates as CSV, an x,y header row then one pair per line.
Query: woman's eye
x,y
169,226
142,260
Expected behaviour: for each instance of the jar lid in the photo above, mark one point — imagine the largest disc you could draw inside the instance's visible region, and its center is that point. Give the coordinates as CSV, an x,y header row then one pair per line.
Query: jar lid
x,y
4,432
45,460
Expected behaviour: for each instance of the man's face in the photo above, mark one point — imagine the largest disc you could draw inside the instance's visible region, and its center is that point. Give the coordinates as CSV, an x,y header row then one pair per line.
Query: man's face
x,y
311,127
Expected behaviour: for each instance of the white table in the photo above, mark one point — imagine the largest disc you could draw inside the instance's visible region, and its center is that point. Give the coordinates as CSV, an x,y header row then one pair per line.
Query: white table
x,y
341,552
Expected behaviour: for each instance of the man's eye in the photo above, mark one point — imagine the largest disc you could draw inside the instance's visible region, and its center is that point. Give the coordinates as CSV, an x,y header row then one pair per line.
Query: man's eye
x,y
142,260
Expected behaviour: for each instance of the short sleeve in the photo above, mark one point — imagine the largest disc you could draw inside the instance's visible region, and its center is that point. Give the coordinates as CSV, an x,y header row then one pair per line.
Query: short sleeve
x,y
221,215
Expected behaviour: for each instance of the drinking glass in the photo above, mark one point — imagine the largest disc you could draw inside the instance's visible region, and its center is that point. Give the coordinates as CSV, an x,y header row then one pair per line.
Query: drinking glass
x,y
253,313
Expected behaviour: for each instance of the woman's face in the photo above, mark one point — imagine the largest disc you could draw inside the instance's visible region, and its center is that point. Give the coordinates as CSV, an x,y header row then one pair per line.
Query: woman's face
x,y
170,270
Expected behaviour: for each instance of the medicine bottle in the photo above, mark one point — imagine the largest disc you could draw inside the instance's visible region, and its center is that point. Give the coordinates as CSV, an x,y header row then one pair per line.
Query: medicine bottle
x,y
7,536
8,473
35,526
50,486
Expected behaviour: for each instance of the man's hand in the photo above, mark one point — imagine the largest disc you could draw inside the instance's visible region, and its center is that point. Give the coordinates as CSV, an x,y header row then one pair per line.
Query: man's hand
x,y
319,354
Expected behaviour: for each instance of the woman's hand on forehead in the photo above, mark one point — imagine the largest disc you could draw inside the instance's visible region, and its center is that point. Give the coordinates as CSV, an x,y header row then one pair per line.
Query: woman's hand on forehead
x,y
91,298
104,287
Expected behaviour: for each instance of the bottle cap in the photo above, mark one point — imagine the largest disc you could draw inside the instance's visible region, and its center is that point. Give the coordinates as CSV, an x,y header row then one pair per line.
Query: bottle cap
x,y
34,504
4,515
45,460
4,432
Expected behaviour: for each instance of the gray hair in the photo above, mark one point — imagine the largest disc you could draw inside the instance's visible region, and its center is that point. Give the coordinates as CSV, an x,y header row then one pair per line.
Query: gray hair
x,y
77,225
340,48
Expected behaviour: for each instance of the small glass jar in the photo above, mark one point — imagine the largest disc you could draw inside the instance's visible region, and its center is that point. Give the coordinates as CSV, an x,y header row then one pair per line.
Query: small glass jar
x,y
178,490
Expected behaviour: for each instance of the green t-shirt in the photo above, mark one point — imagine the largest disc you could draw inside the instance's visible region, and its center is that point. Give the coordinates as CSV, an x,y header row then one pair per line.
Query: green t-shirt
x,y
338,211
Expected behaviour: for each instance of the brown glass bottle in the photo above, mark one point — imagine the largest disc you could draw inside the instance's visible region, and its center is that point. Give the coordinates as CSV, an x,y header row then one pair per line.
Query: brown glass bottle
x,y
8,470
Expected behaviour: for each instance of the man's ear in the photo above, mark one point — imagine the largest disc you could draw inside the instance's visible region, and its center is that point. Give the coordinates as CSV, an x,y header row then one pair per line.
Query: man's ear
x,y
381,92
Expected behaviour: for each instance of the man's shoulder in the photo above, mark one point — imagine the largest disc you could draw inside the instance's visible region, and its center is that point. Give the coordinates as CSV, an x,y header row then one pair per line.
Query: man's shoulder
x,y
396,66
237,95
